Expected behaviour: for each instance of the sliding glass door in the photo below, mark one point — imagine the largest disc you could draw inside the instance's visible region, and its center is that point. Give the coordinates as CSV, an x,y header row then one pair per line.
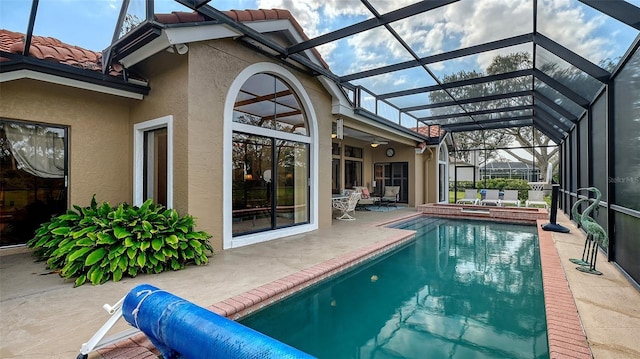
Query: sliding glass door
x,y
270,183
392,174
270,157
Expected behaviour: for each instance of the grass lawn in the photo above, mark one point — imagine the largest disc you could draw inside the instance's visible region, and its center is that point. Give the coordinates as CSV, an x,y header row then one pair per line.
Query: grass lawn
x,y
460,196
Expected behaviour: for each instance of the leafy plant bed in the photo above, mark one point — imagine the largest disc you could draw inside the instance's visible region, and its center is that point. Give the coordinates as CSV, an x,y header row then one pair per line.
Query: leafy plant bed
x,y
100,243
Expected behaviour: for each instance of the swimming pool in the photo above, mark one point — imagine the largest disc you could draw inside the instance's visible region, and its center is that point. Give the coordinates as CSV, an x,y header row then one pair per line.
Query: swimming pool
x,y
462,289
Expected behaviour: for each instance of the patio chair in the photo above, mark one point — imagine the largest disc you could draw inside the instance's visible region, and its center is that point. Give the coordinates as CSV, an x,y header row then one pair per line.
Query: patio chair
x,y
346,205
470,196
390,197
536,198
366,199
491,198
510,197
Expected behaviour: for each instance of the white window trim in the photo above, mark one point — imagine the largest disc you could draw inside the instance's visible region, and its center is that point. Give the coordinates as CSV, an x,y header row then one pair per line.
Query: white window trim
x,y
229,126
138,157
443,147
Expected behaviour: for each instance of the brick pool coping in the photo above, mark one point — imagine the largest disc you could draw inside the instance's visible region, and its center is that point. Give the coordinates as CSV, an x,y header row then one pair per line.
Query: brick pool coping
x,y
522,215
566,337
565,334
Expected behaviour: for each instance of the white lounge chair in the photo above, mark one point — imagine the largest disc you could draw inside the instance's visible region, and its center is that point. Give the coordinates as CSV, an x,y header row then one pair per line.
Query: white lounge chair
x,y
491,198
470,196
510,197
346,205
536,198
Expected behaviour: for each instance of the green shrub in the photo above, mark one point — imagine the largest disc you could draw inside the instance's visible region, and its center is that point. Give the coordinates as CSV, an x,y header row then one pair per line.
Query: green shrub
x,y
100,243
462,185
505,183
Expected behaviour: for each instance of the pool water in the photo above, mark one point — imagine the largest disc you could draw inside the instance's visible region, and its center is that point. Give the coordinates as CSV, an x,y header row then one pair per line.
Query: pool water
x,y
463,289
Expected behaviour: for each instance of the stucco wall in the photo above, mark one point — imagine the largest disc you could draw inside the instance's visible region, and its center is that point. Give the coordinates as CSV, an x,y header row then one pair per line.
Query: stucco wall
x,y
193,88
99,143
167,74
430,172
418,178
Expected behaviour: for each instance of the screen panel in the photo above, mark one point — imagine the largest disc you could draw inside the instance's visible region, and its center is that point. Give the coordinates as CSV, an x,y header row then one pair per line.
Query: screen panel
x,y
583,155
626,128
598,137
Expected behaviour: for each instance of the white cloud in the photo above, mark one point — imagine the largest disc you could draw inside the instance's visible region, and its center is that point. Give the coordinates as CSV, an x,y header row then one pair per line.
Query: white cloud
x,y
570,27
336,8
304,11
458,25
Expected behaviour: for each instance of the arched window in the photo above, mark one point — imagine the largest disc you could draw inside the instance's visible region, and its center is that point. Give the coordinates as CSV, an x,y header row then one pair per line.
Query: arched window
x,y
270,159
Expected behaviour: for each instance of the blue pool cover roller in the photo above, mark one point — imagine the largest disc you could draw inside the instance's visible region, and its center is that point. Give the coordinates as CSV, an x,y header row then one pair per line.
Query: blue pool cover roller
x,y
181,329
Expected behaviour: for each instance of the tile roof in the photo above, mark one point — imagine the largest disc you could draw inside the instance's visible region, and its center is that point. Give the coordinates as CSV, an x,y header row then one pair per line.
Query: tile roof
x,y
51,49
433,131
179,17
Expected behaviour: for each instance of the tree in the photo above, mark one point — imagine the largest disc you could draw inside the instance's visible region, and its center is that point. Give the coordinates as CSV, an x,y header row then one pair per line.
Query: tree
x,y
466,141
531,141
131,21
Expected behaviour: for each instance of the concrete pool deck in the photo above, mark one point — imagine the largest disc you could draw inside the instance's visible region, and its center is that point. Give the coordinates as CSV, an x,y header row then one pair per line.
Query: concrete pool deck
x,y
44,317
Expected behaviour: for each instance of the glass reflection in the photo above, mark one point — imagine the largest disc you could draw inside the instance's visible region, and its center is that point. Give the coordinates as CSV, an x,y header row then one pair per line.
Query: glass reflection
x,y
258,183
32,178
292,186
252,183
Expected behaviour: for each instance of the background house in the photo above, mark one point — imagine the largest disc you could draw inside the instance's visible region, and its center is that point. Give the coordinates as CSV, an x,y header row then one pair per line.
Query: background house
x,y
512,170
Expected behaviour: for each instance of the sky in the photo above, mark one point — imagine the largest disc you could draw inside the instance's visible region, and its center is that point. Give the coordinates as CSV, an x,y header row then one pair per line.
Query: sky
x,y
90,24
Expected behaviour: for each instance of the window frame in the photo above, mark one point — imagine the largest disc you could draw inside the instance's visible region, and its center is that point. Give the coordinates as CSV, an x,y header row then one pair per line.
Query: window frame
x,y
139,130
229,241
443,148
